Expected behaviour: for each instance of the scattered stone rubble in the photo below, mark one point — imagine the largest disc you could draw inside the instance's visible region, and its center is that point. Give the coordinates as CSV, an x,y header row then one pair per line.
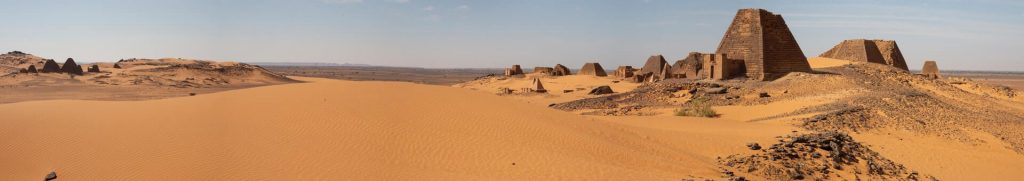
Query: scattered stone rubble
x,y
817,156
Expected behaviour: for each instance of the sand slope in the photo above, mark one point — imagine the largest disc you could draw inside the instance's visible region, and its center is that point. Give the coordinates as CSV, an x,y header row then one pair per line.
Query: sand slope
x,y
325,129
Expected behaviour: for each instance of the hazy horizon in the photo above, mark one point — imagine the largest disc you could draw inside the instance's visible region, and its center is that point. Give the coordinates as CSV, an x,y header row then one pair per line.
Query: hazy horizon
x,y
960,35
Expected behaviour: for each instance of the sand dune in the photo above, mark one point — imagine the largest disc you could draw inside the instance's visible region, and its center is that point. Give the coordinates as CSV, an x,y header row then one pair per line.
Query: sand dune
x,y
321,130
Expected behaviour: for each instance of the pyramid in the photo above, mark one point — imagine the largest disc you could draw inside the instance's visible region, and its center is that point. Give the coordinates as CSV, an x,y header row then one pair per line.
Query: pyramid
x,y
50,67
71,68
32,69
561,70
763,41
537,86
931,70
874,51
594,69
654,64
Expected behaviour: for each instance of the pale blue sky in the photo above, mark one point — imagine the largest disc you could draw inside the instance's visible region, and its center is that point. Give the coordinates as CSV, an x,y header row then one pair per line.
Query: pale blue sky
x,y
960,34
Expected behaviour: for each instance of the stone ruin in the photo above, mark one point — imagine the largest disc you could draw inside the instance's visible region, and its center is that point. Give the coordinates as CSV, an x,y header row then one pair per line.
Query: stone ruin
x,y
594,69
720,67
71,68
875,51
624,72
94,68
50,67
544,70
515,70
654,65
764,43
655,69
561,70
689,67
535,86
931,70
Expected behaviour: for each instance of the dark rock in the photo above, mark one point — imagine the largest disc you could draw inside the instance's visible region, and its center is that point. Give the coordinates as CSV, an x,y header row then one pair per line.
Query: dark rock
x,y
23,70
763,95
117,66
753,146
32,69
716,90
601,90
51,176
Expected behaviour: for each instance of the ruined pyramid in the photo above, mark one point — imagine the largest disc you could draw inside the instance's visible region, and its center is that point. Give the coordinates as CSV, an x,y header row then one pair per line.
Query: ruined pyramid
x,y
874,51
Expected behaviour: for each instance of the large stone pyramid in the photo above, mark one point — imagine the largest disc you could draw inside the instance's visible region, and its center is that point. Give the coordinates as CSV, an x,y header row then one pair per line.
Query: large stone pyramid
x,y
874,51
763,41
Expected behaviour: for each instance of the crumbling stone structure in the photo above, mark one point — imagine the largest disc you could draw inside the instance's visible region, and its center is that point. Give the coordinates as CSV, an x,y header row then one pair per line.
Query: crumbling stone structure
x,y
561,70
764,43
543,70
515,70
31,69
689,67
624,72
535,86
50,67
654,65
720,67
594,69
873,51
71,68
94,68
931,70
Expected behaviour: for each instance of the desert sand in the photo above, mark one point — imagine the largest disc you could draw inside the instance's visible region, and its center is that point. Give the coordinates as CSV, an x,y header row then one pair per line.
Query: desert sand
x,y
330,129
325,129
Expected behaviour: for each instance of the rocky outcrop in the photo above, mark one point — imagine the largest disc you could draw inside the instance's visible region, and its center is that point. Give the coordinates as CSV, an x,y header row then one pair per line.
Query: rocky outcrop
x,y
594,69
117,65
50,67
604,89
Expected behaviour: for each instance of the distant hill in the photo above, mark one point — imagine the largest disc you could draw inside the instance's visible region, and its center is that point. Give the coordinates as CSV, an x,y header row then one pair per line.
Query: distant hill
x,y
311,64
